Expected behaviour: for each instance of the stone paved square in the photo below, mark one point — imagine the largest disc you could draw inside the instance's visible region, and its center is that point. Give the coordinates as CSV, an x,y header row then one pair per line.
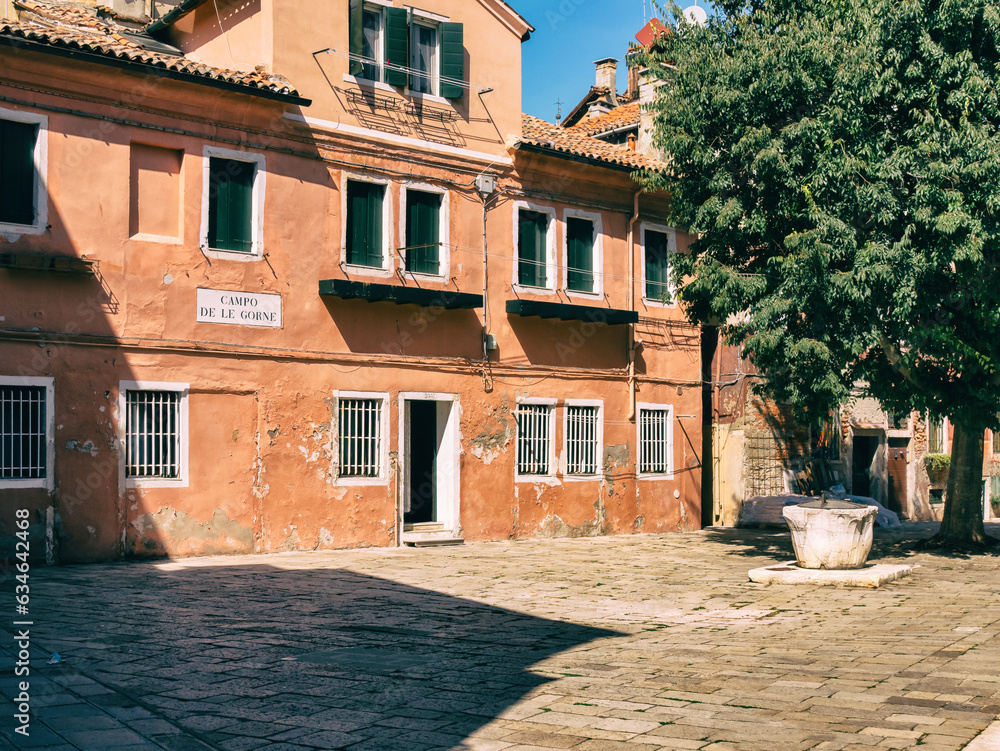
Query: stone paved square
x,y
594,644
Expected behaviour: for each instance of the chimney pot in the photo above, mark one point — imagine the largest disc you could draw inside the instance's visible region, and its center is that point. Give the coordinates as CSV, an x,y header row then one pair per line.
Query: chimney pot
x,y
607,77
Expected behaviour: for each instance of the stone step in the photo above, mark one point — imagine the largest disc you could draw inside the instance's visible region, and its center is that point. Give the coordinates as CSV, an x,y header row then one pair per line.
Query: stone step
x,y
427,538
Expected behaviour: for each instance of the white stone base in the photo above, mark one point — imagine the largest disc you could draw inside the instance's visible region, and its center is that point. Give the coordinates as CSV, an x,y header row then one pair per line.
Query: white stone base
x,y
871,575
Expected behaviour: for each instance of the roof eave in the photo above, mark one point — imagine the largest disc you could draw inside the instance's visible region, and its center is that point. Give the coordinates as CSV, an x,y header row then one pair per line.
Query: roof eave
x,y
113,61
592,161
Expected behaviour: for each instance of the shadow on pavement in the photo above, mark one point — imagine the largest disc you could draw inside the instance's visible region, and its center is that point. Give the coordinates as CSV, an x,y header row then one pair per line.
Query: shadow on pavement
x,y
297,659
888,543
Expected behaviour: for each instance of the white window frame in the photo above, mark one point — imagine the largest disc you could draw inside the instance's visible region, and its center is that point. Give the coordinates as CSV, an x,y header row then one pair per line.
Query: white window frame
x,y
598,252
257,220
640,454
944,430
48,481
598,440
671,234
41,160
376,6
551,404
444,252
388,240
383,476
183,428
551,266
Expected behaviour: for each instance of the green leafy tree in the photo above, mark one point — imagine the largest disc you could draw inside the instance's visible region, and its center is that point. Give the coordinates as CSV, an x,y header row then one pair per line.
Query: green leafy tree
x,y
839,162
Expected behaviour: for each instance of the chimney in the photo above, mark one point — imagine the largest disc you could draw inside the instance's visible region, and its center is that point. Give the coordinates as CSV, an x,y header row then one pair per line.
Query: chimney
x,y
647,94
607,78
633,81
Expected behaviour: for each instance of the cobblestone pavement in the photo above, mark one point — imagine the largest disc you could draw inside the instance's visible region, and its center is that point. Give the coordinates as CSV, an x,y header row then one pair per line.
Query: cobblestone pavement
x,y
634,643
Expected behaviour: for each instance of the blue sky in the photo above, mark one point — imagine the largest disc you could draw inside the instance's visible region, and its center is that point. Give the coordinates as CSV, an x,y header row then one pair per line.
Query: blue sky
x,y
558,60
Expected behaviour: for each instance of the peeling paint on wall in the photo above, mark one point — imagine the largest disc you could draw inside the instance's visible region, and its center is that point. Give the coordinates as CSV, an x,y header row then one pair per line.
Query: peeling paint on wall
x,y
169,529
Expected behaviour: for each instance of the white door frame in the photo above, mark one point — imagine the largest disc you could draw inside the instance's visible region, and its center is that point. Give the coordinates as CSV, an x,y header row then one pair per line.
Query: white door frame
x,y
447,480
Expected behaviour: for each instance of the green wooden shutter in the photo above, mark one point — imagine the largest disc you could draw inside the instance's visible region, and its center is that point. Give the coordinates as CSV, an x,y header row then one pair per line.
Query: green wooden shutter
x,y
531,248
657,267
452,60
355,28
230,217
17,172
423,232
364,224
397,46
580,254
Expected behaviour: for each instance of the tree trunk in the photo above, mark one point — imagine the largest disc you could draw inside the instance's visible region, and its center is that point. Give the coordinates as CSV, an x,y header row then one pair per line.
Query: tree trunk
x,y
962,525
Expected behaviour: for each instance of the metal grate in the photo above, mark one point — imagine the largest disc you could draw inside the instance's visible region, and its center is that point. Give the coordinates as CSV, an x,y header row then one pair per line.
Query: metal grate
x,y
22,432
581,440
533,439
153,434
360,431
653,441
763,465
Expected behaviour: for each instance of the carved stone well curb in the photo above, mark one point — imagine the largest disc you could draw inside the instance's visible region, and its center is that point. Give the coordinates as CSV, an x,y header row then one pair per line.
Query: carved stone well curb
x,y
831,534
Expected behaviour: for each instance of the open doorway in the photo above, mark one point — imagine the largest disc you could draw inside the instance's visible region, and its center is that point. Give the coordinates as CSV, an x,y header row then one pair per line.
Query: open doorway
x,y
429,449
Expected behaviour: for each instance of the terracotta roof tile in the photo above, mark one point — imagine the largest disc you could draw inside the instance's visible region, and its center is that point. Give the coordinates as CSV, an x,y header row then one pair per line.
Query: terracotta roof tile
x,y
76,28
620,117
535,132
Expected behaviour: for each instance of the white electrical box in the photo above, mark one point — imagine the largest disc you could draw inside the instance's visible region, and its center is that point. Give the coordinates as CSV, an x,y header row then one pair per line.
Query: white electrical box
x,y
486,184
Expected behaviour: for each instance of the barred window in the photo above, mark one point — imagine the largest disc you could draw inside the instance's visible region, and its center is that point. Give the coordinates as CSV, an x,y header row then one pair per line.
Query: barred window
x,y
534,439
360,437
581,440
153,434
996,441
23,421
654,441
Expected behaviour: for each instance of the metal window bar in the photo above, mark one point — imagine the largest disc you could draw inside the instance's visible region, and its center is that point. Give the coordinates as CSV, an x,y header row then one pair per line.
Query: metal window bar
x,y
152,434
763,465
653,441
581,440
22,432
360,437
533,439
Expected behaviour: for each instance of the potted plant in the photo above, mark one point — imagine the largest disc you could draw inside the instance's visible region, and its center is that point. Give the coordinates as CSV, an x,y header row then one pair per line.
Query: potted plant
x,y
937,466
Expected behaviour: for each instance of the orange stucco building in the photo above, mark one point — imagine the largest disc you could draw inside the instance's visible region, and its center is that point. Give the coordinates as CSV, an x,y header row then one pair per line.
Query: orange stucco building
x,y
284,280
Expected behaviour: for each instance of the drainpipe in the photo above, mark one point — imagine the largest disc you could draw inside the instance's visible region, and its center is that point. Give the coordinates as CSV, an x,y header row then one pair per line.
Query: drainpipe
x,y
630,305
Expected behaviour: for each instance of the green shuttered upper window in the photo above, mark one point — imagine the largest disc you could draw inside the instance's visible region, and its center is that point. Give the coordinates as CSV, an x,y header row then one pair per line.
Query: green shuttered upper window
x,y
17,172
532,248
365,202
580,254
230,204
400,48
657,266
423,232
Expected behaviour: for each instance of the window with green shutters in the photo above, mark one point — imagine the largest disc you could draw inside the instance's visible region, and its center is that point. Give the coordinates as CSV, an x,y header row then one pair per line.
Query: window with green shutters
x,y
996,441
580,234
400,48
230,204
657,266
365,203
423,232
17,172
532,248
